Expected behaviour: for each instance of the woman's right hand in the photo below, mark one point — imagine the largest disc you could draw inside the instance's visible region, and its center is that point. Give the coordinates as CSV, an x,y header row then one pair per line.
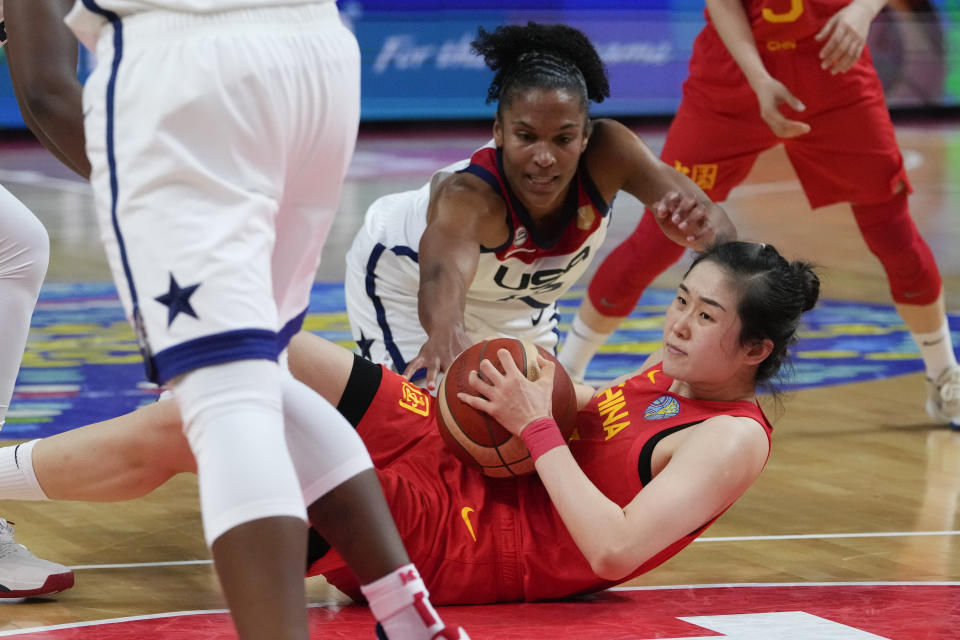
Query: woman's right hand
x,y
771,93
510,397
437,353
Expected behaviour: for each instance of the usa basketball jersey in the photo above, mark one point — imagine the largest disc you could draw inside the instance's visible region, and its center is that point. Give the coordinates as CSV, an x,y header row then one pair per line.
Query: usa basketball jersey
x,y
530,270
516,285
616,434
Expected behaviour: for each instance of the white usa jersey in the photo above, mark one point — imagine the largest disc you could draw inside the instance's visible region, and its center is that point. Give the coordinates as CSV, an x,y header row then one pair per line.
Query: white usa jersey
x,y
517,284
530,270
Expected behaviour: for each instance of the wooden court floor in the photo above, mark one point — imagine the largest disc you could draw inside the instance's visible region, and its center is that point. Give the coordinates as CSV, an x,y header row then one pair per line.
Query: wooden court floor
x,y
862,486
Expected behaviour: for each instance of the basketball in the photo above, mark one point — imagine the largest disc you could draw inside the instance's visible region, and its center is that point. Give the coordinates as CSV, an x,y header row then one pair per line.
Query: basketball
x,y
475,437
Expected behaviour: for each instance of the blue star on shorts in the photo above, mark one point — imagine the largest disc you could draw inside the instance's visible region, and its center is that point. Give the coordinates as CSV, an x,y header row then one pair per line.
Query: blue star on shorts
x,y
364,343
177,300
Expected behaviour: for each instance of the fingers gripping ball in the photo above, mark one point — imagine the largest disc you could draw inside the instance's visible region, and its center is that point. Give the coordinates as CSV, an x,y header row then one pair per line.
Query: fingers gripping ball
x,y
475,437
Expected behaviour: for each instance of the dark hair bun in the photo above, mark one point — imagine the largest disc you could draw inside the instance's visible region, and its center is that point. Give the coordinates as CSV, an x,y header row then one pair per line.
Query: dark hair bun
x,y
809,283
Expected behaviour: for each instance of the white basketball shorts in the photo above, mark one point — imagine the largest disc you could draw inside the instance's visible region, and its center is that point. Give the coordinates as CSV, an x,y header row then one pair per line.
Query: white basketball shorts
x,y
219,143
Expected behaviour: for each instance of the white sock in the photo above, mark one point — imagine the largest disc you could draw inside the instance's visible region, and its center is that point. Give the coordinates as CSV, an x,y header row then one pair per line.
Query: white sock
x,y
936,349
579,346
18,481
400,602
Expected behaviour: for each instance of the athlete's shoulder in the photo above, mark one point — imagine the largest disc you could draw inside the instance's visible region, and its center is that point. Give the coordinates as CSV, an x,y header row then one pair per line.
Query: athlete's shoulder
x,y
615,154
466,187
470,204
732,437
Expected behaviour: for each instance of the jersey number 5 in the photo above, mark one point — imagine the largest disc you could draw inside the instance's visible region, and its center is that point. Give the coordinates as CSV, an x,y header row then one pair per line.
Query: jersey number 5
x,y
796,10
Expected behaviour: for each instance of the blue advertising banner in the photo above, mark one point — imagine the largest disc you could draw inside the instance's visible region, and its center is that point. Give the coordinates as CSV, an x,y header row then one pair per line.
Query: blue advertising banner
x,y
417,62
419,65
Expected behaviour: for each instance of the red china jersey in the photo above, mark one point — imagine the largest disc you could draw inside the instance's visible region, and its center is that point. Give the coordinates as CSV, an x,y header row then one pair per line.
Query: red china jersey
x,y
479,540
616,434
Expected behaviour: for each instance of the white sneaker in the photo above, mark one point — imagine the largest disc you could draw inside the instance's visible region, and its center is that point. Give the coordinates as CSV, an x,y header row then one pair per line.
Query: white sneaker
x,y
23,574
943,397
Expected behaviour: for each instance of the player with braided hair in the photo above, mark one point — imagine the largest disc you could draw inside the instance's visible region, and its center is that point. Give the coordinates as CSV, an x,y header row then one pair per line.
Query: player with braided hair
x,y
489,244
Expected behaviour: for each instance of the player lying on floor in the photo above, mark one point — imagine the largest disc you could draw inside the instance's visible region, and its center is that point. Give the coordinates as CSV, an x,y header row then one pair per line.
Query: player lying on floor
x,y
622,497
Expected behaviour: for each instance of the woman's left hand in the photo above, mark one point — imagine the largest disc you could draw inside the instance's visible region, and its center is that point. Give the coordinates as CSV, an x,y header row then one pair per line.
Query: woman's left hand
x,y
845,36
691,222
510,398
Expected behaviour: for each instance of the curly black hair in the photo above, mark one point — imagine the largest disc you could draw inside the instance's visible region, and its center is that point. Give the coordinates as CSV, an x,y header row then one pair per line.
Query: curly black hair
x,y
543,56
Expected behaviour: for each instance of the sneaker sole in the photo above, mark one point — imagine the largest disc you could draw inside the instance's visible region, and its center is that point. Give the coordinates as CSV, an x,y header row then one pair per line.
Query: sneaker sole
x,y
53,584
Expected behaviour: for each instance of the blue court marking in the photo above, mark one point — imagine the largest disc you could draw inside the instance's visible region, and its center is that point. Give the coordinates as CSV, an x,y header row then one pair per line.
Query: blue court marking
x,y
82,363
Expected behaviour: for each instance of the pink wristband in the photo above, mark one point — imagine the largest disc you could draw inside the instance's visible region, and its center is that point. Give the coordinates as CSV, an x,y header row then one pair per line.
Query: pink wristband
x,y
541,436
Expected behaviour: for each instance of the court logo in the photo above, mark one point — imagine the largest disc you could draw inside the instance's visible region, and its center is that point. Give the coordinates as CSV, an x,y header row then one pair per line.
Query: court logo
x,y
414,399
662,408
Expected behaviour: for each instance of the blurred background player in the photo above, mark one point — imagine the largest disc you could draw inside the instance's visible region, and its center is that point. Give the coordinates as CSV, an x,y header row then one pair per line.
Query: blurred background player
x,y
765,72
489,244
24,253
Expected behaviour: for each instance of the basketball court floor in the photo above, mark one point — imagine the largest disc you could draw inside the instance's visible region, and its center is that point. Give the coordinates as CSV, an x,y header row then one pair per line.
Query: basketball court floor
x,y
851,533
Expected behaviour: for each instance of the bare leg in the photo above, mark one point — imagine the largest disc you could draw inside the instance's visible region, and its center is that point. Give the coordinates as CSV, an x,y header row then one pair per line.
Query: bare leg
x,y
923,318
372,550
118,459
596,320
273,605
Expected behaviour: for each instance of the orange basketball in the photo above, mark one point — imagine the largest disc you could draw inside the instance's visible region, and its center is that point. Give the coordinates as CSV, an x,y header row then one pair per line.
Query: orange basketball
x,y
478,439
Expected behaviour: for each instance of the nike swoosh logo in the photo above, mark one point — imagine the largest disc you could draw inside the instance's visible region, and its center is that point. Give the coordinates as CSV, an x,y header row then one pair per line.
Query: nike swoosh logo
x,y
907,294
924,343
465,514
603,302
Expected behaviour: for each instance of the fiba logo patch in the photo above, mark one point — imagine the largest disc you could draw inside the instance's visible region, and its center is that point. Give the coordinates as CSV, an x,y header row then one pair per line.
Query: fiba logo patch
x,y
520,236
662,408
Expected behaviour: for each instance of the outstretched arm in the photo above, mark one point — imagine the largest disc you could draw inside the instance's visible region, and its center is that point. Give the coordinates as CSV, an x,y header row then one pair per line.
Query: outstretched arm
x,y
461,218
618,159
712,466
42,56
